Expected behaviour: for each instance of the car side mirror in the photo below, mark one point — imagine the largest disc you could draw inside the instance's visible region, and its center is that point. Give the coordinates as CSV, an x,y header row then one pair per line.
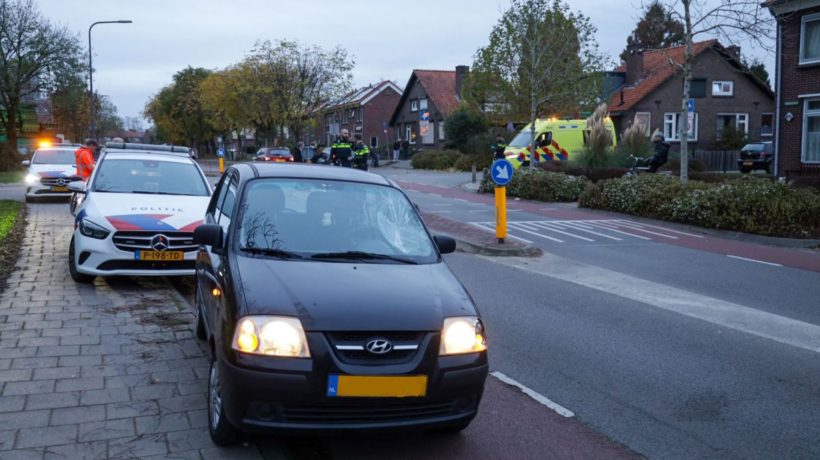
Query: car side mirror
x,y
77,186
26,163
446,244
210,235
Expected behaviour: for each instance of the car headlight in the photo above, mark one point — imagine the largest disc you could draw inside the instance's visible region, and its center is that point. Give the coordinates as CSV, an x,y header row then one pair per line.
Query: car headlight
x,y
271,336
93,230
462,334
32,179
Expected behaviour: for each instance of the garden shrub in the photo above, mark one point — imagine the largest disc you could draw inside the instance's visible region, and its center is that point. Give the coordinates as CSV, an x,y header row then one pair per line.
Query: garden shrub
x,y
434,159
465,162
536,184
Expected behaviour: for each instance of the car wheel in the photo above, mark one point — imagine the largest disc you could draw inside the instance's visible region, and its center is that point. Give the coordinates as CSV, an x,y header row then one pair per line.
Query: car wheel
x,y
30,199
72,266
221,431
200,322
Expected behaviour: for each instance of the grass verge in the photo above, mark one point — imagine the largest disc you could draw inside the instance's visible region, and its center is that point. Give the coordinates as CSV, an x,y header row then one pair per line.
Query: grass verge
x,y
12,226
7,177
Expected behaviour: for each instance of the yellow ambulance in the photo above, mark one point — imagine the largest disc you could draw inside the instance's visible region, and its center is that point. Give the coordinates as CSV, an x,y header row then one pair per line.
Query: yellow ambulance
x,y
555,140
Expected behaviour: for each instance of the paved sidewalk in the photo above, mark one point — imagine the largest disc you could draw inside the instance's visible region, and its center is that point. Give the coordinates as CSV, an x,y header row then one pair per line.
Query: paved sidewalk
x,y
109,370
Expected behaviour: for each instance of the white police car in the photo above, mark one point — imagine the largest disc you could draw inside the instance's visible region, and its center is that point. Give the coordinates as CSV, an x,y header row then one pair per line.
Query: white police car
x,y
50,170
139,210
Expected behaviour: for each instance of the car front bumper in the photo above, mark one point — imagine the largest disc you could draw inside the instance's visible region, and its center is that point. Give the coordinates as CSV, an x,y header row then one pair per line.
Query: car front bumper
x,y
290,395
44,191
101,258
754,163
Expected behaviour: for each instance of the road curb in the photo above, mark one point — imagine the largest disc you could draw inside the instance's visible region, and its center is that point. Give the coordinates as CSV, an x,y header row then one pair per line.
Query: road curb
x,y
476,241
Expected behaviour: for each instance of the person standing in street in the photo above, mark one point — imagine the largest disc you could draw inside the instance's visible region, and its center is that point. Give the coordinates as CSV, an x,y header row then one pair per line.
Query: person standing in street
x,y
341,150
396,150
297,152
84,158
360,153
499,147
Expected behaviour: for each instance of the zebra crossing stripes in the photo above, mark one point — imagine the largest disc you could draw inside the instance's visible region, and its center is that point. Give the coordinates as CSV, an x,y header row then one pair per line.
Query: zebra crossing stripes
x,y
590,231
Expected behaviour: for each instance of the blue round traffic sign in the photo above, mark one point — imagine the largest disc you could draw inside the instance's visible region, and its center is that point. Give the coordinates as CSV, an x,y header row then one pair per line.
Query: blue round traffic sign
x,y
501,172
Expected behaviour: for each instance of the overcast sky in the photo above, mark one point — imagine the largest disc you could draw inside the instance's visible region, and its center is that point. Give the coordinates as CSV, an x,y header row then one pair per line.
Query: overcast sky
x,y
387,38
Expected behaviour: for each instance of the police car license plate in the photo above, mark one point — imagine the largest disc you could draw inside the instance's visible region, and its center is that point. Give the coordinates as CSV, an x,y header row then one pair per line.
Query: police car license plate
x,y
59,189
376,386
162,256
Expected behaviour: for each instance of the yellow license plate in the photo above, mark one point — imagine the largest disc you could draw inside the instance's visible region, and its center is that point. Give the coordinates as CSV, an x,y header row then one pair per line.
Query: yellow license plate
x,y
748,163
59,189
370,386
162,256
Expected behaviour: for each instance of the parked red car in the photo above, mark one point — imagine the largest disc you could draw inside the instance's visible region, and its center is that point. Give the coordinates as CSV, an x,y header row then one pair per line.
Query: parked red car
x,y
275,154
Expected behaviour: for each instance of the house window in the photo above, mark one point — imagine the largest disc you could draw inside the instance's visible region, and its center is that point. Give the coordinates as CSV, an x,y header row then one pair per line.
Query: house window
x,y
723,88
441,130
414,105
698,88
644,119
811,132
374,142
423,104
767,124
671,123
810,39
739,121
409,135
352,114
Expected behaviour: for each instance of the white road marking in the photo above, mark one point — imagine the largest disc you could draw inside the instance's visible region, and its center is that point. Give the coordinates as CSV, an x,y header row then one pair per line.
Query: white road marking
x,y
435,194
547,226
619,231
731,315
518,228
637,229
583,228
539,398
754,260
461,199
664,228
491,229
442,204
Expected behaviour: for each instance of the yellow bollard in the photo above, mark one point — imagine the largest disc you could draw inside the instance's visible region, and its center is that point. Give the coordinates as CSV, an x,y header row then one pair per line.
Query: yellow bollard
x,y
501,214
221,165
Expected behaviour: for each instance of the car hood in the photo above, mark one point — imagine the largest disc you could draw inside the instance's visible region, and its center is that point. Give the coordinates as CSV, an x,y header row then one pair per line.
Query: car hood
x,y
333,296
138,212
48,171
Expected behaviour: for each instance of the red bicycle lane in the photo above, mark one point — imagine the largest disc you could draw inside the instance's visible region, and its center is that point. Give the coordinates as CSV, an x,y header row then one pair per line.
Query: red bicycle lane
x,y
804,259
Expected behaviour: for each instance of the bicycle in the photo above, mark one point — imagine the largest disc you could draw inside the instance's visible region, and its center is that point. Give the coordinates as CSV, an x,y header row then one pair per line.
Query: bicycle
x,y
635,170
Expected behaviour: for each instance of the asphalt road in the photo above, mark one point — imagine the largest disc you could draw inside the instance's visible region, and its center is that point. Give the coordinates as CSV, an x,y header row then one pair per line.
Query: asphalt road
x,y
667,349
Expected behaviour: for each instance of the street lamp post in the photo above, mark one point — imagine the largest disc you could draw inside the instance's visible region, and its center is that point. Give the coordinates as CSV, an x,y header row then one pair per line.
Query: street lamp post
x,y
91,75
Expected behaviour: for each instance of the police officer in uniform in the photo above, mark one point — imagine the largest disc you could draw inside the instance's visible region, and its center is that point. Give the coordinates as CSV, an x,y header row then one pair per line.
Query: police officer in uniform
x,y
360,153
499,147
341,150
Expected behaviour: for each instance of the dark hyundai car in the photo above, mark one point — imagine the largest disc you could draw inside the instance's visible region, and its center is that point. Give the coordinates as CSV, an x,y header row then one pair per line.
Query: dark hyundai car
x,y
326,305
757,155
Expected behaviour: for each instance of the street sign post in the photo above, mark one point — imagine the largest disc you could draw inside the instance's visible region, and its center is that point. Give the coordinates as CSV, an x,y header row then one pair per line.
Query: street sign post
x,y
690,118
501,172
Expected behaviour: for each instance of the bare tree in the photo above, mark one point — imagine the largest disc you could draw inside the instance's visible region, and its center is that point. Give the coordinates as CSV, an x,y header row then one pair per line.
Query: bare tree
x,y
34,56
726,20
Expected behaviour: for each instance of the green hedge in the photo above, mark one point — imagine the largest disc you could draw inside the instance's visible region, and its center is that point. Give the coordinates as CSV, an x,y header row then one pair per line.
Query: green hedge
x,y
745,204
434,159
537,184
465,162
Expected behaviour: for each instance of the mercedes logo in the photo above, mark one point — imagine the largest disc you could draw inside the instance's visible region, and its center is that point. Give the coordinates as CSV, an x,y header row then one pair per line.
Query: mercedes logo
x,y
61,182
379,346
159,242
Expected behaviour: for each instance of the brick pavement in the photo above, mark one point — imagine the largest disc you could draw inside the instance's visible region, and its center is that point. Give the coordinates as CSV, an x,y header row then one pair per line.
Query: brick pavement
x,y
108,370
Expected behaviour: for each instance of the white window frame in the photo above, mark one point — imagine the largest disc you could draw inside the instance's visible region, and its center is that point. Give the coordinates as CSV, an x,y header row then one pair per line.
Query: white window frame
x,y
414,105
770,134
441,130
721,92
803,21
408,133
738,116
805,141
423,104
675,123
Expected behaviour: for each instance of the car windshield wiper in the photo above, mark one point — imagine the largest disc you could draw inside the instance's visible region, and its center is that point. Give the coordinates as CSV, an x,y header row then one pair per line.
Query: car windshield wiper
x,y
272,252
360,255
143,192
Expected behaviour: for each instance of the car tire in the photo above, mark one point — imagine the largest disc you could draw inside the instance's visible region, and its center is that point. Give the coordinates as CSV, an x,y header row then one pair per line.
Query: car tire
x,y
221,431
200,322
72,267
30,199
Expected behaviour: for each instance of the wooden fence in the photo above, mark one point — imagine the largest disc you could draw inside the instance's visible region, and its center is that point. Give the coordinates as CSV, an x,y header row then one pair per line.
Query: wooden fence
x,y
717,160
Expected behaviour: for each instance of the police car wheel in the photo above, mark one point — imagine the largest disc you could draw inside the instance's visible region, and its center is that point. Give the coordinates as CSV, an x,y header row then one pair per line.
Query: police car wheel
x,y
72,267
30,199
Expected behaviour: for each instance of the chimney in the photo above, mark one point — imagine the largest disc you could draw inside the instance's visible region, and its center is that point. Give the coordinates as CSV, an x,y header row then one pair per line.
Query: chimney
x,y
734,51
634,64
461,71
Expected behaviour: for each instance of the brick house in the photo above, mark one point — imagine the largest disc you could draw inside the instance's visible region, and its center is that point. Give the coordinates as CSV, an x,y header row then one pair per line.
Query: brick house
x,y
429,97
797,80
365,111
649,85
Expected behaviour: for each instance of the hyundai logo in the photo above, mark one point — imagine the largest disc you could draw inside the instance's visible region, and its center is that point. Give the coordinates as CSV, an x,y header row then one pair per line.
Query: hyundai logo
x,y
159,242
379,346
